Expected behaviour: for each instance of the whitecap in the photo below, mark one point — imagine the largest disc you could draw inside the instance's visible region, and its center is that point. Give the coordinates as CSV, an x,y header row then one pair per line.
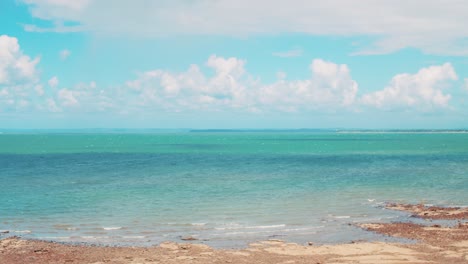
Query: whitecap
x,y
64,227
112,228
265,226
93,237
250,227
134,237
22,231
342,217
241,233
303,228
56,238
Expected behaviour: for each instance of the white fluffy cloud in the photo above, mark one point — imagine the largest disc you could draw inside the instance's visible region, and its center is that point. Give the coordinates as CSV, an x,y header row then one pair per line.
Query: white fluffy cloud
x,y
15,67
424,90
53,82
51,106
221,84
86,97
192,89
330,87
431,25
18,75
39,89
67,97
22,90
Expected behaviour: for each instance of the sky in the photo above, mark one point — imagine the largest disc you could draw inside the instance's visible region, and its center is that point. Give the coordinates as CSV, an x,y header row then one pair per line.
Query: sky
x,y
374,64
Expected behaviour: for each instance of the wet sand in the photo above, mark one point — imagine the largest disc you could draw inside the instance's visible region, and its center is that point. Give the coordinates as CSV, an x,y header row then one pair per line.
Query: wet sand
x,y
433,244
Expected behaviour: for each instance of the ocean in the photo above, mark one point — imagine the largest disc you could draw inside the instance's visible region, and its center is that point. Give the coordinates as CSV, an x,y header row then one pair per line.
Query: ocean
x,y
225,189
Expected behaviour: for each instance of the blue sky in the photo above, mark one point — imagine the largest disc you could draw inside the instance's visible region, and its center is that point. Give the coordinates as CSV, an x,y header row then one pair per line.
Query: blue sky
x,y
233,64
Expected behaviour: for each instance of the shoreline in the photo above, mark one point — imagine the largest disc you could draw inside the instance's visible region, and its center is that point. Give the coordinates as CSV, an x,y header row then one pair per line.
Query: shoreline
x,y
434,243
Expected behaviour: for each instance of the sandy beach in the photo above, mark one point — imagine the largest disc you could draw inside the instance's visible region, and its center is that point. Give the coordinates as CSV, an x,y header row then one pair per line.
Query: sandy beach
x,y
433,244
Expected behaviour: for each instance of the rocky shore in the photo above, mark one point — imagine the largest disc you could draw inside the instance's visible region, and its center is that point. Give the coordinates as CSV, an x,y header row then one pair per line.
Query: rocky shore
x,y
434,243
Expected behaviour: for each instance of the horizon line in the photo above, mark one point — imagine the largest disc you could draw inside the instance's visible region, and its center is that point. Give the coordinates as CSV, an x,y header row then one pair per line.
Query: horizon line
x,y
201,130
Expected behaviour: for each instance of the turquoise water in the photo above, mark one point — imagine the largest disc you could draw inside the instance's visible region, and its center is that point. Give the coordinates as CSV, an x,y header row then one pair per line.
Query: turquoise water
x,y
227,189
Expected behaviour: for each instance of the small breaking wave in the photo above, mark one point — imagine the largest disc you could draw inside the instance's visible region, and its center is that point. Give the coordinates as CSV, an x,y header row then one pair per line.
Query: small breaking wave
x,y
235,227
112,228
64,227
198,224
23,231
134,237
341,216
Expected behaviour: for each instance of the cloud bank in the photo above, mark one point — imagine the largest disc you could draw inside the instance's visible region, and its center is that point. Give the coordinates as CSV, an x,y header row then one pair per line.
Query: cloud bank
x,y
221,84
433,26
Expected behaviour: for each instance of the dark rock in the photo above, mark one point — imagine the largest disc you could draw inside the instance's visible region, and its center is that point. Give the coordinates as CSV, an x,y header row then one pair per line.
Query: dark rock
x,y
189,238
185,247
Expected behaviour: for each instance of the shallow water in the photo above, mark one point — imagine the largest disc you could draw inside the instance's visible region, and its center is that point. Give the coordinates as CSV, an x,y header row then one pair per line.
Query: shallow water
x,y
227,189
